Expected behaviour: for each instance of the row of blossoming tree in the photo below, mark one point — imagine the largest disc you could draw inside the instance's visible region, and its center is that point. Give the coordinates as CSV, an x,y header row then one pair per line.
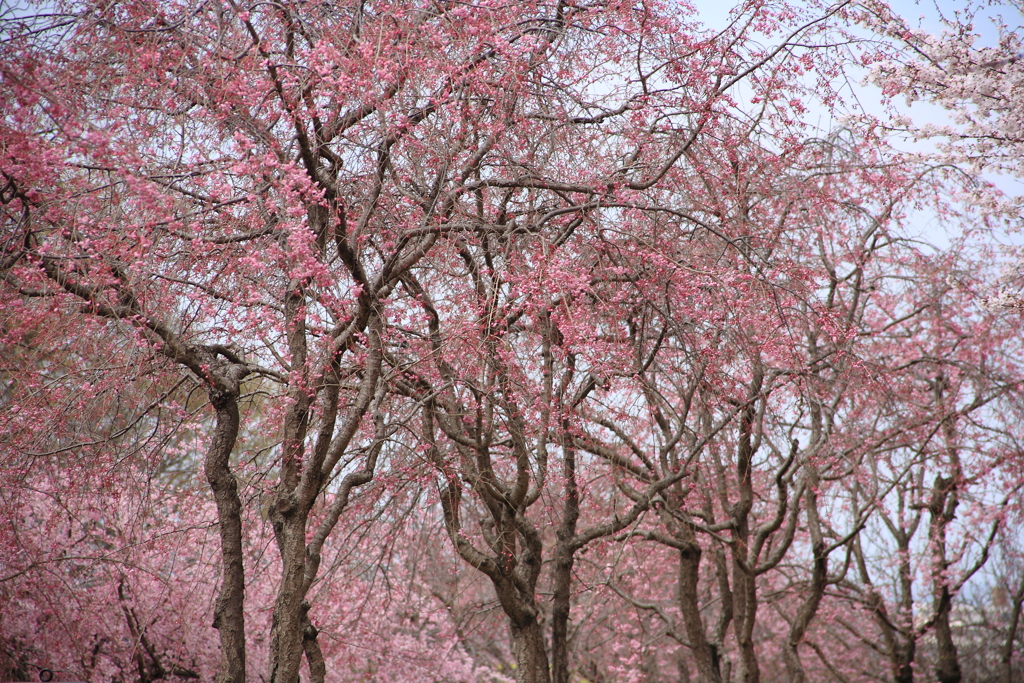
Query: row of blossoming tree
x,y
536,341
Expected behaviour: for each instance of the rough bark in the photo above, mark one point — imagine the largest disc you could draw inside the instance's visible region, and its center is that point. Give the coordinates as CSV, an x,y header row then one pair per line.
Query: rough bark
x,y
902,658
530,652
314,655
744,591
705,655
562,574
286,632
228,617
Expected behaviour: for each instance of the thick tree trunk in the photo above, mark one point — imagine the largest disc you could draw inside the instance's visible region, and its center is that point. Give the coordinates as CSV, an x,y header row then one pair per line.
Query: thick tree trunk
x,y
228,616
530,653
705,655
745,599
947,665
902,658
520,608
286,629
562,577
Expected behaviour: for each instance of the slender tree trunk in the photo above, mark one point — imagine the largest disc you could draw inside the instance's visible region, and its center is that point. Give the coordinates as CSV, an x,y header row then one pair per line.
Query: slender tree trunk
x,y
899,642
819,579
288,514
562,573
1011,634
904,648
743,577
228,616
314,655
725,612
816,590
562,578
942,508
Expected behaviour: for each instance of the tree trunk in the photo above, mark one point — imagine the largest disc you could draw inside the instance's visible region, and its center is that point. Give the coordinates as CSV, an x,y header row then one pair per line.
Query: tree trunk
x,y
744,580
705,655
902,658
745,599
228,617
286,630
530,653
562,578
942,508
314,655
562,573
947,665
819,580
1011,634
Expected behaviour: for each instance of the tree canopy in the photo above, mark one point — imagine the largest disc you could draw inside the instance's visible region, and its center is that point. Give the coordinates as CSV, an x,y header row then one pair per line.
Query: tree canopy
x,y
542,342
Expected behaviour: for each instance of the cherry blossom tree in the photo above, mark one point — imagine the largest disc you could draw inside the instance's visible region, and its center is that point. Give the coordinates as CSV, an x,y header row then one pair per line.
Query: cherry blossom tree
x,y
239,192
976,82
973,68
541,341
633,282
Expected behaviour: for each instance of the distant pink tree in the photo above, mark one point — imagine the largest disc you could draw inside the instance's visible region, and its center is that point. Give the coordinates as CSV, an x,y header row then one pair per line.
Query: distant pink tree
x,y
973,68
